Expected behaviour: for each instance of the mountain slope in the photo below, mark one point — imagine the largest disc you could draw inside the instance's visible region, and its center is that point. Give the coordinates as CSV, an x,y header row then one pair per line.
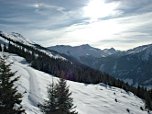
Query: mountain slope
x,y
90,99
18,40
52,62
16,37
133,66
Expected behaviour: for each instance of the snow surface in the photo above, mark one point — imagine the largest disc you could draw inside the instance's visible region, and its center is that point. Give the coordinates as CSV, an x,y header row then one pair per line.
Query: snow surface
x,y
89,99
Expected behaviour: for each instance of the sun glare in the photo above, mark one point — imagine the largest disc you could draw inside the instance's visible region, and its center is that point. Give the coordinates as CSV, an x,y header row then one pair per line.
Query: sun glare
x,y
36,5
98,8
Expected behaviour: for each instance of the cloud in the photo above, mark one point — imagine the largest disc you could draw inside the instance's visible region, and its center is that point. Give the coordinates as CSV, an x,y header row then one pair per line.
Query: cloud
x,y
51,22
39,14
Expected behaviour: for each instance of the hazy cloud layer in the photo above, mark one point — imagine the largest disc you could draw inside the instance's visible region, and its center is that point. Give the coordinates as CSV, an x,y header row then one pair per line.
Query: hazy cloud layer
x,y
121,24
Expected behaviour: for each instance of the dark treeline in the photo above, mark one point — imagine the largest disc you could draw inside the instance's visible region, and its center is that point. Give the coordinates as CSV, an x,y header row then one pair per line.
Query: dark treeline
x,y
73,71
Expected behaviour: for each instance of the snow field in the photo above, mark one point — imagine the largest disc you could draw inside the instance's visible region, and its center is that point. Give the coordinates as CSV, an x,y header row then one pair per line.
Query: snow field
x,y
89,99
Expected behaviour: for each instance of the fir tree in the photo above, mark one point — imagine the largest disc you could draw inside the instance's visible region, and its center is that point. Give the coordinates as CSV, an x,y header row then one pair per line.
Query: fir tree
x,y
59,100
65,102
50,105
10,99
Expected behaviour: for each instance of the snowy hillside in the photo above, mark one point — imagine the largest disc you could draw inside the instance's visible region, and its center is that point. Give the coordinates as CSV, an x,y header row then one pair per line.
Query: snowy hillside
x,y
17,37
4,37
90,99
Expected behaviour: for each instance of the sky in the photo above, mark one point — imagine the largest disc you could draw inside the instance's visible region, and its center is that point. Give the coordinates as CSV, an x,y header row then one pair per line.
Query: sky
x,y
122,24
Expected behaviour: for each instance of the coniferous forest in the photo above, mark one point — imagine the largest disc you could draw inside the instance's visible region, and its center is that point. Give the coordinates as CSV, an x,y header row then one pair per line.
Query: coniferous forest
x,y
72,71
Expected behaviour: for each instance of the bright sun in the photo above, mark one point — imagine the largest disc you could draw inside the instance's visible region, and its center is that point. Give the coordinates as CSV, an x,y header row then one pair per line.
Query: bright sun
x,y
98,8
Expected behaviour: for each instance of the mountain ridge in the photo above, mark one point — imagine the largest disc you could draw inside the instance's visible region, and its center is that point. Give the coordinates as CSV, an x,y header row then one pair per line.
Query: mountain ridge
x,y
133,64
83,50
39,58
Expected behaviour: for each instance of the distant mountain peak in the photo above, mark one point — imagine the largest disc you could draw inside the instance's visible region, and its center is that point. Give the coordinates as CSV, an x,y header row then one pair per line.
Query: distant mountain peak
x,y
111,49
85,45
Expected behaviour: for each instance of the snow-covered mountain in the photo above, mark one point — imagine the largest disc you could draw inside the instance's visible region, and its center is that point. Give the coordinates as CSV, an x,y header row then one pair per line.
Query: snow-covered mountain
x,y
82,51
133,66
89,99
139,49
16,37
145,50
110,51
